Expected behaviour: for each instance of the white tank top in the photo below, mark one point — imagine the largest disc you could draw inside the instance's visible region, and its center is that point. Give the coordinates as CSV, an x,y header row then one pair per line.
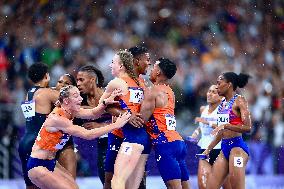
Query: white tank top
x,y
206,130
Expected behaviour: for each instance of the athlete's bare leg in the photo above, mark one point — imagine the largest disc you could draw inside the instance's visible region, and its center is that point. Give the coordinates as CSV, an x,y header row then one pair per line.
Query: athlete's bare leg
x,y
125,163
46,179
185,184
219,172
237,167
135,178
108,177
67,158
204,169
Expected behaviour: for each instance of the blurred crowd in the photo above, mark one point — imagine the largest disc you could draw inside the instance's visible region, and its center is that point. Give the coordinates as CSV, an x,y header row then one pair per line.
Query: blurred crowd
x,y
203,37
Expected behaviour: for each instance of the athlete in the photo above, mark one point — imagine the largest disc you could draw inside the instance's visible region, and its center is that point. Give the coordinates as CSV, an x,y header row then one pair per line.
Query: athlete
x,y
56,131
38,105
66,157
207,122
136,141
233,120
90,82
158,109
141,60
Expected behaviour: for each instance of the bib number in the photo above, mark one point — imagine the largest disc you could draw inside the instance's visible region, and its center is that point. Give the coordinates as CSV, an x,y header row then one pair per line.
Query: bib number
x,y
28,108
170,122
223,119
136,95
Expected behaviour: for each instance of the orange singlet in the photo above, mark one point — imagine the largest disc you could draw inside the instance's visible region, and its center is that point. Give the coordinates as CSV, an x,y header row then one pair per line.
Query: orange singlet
x,y
162,124
132,100
52,141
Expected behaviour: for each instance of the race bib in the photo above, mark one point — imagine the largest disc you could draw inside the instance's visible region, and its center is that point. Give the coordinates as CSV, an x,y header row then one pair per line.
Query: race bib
x,y
136,95
223,119
28,108
170,122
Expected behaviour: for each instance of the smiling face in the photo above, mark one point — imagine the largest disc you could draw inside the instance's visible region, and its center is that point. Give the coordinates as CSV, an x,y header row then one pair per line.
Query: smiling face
x,y
222,85
212,95
115,66
63,82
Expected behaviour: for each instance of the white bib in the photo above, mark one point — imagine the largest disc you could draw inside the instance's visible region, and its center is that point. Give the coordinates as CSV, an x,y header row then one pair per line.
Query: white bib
x,y
136,95
28,108
223,119
170,122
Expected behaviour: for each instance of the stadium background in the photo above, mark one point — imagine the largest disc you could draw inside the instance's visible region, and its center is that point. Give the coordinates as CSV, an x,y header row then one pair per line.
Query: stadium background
x,y
204,38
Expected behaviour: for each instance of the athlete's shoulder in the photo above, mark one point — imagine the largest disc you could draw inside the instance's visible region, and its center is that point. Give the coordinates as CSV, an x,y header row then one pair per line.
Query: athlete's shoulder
x,y
202,108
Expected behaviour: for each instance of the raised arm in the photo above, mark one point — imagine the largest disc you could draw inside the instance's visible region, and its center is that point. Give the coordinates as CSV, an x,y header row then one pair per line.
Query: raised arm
x,y
67,126
96,112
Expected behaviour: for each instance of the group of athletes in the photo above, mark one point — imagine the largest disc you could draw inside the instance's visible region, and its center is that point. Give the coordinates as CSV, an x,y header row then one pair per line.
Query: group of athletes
x,y
130,117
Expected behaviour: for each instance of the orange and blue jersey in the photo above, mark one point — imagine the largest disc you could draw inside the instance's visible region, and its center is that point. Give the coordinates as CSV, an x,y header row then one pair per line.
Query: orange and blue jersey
x,y
132,100
162,124
52,141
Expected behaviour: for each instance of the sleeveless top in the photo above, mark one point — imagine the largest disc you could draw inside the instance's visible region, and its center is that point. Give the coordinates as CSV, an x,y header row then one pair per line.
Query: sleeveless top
x,y
52,141
162,124
206,130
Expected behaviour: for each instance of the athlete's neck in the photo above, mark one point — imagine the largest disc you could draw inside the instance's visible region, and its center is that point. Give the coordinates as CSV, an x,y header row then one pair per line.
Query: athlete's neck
x,y
123,74
42,84
95,95
68,113
229,95
213,106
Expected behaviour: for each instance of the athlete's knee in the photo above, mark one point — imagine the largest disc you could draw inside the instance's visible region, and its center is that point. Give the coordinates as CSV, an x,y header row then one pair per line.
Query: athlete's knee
x,y
117,182
174,184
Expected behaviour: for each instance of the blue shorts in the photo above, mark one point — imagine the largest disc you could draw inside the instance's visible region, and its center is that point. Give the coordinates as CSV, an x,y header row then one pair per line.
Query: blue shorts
x,y
114,143
137,135
228,144
171,162
35,162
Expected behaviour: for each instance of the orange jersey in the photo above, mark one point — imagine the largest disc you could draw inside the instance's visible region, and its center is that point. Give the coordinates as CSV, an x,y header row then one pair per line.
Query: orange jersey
x,y
52,141
162,124
132,100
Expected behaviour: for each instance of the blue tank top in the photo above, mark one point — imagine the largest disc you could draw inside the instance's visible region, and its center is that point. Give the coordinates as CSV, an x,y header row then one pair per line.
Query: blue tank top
x,y
33,124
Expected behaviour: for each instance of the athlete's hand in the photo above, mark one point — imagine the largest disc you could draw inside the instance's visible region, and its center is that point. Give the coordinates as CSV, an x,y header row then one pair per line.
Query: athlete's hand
x,y
206,152
110,99
217,130
136,121
122,120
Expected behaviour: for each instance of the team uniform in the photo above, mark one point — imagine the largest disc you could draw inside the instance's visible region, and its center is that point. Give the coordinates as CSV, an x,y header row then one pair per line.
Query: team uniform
x,y
131,102
206,137
34,122
170,149
51,141
226,115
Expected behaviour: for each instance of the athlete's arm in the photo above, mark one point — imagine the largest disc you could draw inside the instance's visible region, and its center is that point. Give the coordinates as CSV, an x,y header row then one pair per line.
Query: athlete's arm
x,y
148,104
216,140
245,116
96,112
67,126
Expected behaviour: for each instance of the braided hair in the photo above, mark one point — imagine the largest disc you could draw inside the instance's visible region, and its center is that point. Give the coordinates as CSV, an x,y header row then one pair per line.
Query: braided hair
x,y
126,59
